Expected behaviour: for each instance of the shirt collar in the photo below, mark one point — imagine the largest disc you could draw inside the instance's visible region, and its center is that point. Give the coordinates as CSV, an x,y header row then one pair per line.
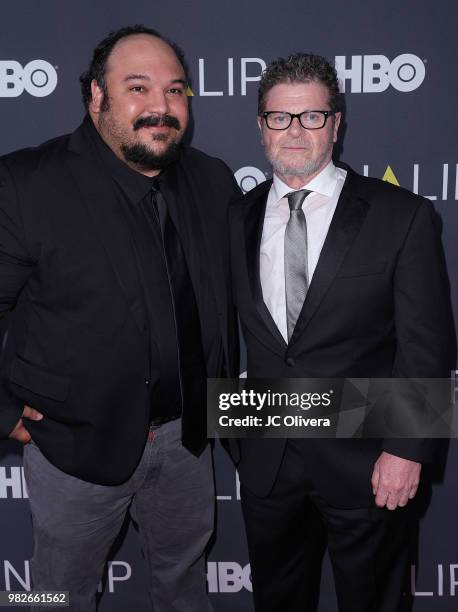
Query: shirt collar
x,y
134,184
323,183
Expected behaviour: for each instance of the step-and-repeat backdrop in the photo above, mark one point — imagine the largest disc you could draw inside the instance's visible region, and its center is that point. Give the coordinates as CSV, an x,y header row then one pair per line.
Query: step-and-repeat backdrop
x,y
397,63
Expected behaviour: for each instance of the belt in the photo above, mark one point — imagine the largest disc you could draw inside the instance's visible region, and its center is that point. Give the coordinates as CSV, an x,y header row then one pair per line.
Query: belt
x,y
161,420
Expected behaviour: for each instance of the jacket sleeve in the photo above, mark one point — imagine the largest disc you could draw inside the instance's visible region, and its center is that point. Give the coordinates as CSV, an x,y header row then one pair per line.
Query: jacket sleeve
x,y
15,268
423,318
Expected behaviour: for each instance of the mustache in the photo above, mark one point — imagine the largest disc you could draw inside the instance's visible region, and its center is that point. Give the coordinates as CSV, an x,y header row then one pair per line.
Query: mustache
x,y
157,121
296,143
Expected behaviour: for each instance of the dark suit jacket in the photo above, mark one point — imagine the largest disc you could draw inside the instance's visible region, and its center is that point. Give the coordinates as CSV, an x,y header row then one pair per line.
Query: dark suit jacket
x,y
378,306
76,348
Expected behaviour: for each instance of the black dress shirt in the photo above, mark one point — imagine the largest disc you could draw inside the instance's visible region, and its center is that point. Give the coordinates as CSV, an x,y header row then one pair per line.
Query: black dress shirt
x,y
134,193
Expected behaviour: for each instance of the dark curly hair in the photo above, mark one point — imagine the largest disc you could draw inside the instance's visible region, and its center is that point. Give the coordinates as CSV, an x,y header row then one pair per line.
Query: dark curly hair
x,y
97,67
300,68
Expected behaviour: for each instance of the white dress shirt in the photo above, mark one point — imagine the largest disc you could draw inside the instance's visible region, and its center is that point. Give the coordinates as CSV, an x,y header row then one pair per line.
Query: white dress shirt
x,y
318,208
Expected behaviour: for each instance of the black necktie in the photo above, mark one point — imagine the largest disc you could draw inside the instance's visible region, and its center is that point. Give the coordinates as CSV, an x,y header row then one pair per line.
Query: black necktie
x,y
192,369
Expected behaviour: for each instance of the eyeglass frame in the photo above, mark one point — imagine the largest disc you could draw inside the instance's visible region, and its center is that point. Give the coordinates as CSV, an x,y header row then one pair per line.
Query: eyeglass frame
x,y
326,113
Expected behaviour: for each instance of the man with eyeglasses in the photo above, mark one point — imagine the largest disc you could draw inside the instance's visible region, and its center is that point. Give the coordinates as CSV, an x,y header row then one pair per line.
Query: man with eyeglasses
x,y
335,275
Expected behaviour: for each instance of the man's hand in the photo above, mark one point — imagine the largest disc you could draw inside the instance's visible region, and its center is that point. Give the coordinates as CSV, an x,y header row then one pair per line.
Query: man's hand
x,y
394,480
20,433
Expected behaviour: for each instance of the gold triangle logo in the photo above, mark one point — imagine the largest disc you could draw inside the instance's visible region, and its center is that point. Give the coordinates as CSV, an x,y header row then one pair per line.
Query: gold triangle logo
x,y
390,177
189,91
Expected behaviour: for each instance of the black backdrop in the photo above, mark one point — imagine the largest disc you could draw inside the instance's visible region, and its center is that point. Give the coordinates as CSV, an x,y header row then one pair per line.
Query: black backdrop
x,y
398,63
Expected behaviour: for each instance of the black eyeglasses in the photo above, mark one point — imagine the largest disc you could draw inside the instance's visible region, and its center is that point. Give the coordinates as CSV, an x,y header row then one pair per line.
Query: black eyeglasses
x,y
309,119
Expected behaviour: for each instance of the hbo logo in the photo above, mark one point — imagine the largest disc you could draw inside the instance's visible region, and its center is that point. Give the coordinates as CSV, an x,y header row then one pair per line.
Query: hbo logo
x,y
228,577
38,78
375,73
249,177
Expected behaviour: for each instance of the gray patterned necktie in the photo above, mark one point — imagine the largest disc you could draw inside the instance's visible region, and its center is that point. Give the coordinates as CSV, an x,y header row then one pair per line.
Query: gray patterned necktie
x,y
296,269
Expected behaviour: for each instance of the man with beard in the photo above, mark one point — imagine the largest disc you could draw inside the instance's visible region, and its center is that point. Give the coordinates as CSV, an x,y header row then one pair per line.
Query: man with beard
x,y
113,265
335,276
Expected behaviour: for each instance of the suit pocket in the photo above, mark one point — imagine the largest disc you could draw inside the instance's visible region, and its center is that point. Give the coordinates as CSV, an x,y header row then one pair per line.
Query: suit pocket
x,y
38,380
366,269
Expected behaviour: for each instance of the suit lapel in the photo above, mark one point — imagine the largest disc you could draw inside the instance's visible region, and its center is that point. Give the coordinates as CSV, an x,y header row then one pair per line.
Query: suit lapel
x,y
254,222
108,218
196,217
345,225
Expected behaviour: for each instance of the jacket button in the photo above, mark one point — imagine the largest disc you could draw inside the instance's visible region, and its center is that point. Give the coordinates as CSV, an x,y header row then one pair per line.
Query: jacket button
x,y
290,362
146,381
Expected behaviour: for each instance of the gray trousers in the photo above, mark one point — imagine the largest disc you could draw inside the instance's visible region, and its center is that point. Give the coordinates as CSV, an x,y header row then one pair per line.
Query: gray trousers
x,y
171,498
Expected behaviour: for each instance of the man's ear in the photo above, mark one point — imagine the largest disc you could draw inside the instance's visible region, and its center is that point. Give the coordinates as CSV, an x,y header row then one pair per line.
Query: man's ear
x,y
259,122
337,118
96,97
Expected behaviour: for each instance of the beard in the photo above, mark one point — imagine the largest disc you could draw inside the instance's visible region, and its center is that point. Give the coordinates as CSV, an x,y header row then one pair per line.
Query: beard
x,y
138,154
143,158
303,169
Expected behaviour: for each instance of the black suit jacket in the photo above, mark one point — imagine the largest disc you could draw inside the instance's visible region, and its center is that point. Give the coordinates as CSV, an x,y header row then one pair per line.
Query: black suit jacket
x,y
378,306
76,348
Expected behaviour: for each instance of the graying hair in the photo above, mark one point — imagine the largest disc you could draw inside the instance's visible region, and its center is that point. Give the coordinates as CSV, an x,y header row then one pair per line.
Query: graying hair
x,y
300,68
